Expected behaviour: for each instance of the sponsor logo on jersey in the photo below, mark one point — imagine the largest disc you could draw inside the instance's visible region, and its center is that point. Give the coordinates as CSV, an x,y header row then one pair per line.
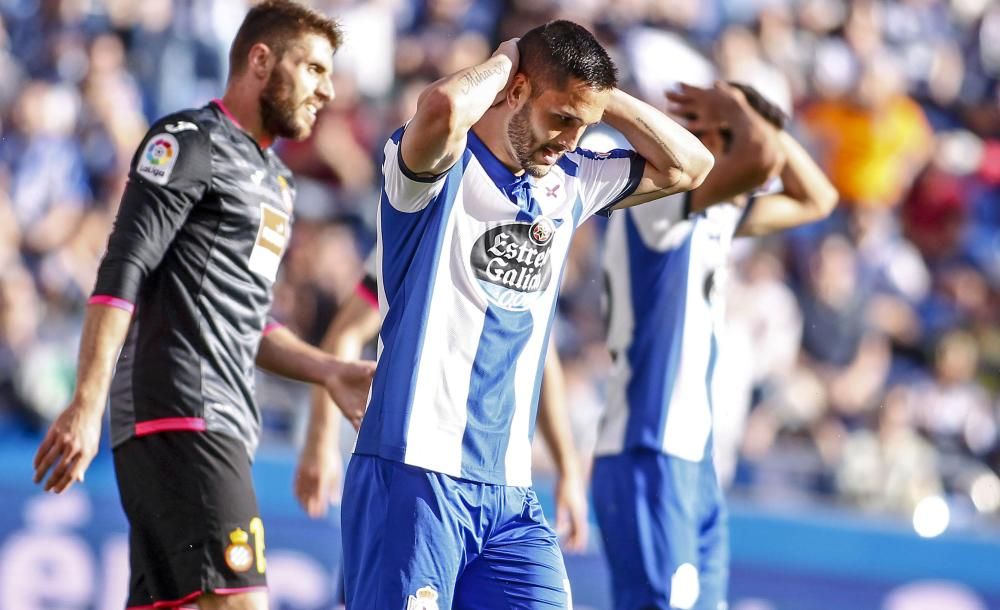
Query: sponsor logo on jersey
x,y
273,233
239,555
425,599
158,159
513,262
181,126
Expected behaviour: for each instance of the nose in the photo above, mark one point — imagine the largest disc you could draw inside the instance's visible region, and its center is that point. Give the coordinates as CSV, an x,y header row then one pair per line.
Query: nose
x,y
570,138
324,90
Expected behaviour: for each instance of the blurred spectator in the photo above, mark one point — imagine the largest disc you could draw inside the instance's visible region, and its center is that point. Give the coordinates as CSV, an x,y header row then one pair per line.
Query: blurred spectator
x,y
873,141
47,179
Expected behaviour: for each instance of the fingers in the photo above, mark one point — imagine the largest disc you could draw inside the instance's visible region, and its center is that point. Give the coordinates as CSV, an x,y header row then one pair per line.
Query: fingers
x,y
48,454
65,472
581,530
309,493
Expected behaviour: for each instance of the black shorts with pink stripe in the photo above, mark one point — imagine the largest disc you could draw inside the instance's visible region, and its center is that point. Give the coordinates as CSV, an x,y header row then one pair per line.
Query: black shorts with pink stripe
x,y
194,526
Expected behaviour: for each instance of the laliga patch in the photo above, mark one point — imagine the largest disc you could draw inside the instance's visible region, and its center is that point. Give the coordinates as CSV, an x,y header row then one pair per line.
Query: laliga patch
x,y
239,555
425,599
157,160
272,238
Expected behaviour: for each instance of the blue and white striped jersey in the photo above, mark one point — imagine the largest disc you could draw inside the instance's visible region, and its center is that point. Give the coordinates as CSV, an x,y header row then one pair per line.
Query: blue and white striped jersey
x,y
469,266
666,271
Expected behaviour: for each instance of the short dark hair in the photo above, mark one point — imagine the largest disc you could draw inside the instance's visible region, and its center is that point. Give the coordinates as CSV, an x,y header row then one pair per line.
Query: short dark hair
x,y
276,23
558,50
768,110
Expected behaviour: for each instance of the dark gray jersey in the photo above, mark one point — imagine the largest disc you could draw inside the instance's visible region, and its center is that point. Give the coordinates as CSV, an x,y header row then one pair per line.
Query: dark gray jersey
x,y
202,226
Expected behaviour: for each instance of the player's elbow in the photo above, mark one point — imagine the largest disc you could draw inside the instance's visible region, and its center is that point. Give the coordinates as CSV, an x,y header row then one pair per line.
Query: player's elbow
x,y
693,172
439,111
826,199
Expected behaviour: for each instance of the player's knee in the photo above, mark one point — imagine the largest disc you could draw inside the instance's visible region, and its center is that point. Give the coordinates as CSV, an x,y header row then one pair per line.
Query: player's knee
x,y
253,600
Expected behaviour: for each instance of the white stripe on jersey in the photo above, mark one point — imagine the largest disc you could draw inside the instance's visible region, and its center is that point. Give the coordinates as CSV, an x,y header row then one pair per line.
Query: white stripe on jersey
x,y
468,269
665,277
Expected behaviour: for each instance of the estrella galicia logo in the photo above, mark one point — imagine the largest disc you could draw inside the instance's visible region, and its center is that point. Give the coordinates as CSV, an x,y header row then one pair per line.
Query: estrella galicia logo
x,y
513,262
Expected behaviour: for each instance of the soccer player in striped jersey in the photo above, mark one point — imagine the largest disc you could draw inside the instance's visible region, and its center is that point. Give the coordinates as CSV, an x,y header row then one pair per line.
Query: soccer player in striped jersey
x,y
657,498
483,190
317,476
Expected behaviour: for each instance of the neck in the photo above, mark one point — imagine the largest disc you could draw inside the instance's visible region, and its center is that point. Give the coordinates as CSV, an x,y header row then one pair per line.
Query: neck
x,y
492,130
243,107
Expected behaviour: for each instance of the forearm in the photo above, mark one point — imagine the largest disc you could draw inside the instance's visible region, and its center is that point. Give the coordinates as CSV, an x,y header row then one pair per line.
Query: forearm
x,y
679,159
553,421
448,108
104,332
804,181
472,91
324,421
284,354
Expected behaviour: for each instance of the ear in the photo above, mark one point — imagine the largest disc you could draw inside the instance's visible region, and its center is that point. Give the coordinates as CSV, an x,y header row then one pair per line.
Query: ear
x,y
261,60
519,91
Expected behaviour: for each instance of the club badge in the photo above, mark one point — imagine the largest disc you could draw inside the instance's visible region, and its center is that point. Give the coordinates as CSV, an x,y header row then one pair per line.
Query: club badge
x,y
239,555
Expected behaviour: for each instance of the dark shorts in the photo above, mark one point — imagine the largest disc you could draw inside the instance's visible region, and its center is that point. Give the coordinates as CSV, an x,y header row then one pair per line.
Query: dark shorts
x,y
194,526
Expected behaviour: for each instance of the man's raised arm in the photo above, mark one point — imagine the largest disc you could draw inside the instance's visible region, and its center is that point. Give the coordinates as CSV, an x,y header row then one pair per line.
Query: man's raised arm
x,y
675,160
447,109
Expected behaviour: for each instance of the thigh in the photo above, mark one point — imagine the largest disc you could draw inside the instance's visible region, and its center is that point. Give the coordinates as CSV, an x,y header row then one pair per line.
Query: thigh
x,y
521,565
403,542
650,529
194,525
714,548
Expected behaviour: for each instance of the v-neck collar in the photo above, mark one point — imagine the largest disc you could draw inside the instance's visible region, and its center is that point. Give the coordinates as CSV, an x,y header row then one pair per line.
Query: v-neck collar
x,y
499,173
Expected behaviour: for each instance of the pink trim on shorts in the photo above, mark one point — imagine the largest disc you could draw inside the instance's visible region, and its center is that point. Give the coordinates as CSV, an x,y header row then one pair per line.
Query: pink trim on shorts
x,y
193,596
168,604
170,424
110,301
270,328
218,102
367,295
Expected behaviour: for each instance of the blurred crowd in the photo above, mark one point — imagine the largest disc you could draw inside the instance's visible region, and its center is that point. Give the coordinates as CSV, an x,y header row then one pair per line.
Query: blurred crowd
x,y
862,354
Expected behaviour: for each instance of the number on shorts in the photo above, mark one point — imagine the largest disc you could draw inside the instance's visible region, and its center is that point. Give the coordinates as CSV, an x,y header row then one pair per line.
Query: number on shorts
x,y
257,529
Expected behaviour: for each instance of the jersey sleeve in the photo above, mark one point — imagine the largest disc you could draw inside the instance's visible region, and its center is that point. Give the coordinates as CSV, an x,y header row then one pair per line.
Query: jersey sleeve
x,y
405,190
171,171
607,178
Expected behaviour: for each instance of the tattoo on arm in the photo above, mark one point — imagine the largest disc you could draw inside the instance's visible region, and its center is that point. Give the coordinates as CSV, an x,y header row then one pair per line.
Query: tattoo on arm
x,y
475,77
663,146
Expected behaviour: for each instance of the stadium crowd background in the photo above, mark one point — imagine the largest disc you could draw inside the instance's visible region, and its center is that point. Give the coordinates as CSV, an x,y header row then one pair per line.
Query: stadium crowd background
x,y
866,349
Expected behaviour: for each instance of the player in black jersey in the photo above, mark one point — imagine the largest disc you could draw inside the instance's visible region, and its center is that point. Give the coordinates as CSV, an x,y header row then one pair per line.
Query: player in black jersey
x,y
184,292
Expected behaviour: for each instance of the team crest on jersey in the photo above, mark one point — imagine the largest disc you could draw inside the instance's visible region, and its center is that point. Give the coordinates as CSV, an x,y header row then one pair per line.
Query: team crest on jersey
x,y
542,231
286,193
239,555
513,262
157,160
425,599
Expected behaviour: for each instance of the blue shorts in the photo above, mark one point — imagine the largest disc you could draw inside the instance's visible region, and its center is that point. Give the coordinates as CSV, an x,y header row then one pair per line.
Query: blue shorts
x,y
664,528
421,540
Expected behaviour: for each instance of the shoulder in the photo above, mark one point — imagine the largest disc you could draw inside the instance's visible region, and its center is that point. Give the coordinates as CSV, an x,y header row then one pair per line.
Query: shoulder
x,y
189,127
176,142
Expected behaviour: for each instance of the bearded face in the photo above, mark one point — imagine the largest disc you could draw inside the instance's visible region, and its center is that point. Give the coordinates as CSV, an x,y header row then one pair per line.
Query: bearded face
x,y
297,88
551,123
280,112
524,143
